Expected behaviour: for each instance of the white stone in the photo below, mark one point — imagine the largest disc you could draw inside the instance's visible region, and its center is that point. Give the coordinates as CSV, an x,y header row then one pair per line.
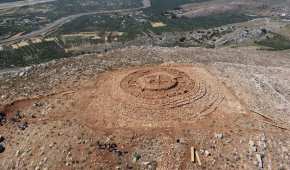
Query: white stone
x,y
259,160
219,135
206,153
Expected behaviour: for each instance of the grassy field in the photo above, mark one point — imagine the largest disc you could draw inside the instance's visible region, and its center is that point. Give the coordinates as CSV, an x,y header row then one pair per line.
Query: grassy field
x,y
277,42
132,26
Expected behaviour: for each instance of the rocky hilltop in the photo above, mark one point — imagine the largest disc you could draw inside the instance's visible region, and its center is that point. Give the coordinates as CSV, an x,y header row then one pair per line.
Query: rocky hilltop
x,y
149,108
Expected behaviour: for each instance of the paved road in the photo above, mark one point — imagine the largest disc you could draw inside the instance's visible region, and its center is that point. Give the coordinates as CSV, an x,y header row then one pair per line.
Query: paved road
x,y
58,23
8,5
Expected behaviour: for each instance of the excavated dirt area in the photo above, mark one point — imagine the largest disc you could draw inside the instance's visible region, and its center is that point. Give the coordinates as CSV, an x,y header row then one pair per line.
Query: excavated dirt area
x,y
147,108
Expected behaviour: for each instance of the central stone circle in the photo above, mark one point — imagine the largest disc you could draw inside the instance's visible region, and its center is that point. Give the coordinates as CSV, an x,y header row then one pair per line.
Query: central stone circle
x,y
157,81
160,84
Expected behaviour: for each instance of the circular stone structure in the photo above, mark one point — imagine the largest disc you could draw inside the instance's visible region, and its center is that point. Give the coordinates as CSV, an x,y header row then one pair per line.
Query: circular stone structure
x,y
160,88
161,83
154,94
155,82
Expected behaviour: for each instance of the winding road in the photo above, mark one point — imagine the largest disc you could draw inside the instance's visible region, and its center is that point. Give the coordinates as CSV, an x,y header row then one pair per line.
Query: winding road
x,y
58,23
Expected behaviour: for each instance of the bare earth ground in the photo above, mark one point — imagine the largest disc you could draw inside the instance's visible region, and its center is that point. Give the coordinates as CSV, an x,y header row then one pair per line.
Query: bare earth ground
x,y
145,107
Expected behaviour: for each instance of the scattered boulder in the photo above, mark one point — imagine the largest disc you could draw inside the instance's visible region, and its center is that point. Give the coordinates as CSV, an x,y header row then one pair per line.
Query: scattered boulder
x,y
2,118
37,104
252,146
2,138
22,73
2,147
207,153
219,135
136,157
110,147
17,117
23,125
17,154
260,161
152,165
182,39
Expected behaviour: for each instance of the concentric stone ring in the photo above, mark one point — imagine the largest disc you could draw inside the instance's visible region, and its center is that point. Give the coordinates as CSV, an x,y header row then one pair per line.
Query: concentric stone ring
x,y
156,93
159,84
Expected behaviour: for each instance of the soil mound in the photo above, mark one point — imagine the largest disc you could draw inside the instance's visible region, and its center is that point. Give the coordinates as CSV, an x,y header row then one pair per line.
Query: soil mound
x,y
156,96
